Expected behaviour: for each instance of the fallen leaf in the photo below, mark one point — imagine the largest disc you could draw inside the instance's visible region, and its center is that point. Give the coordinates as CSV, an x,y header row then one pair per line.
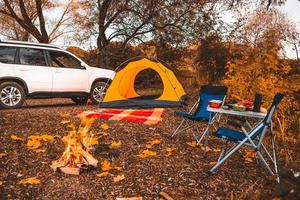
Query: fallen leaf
x,y
31,181
40,150
34,142
65,114
119,178
47,138
250,155
104,126
146,153
156,141
152,128
212,163
115,145
105,165
102,133
16,138
152,143
169,151
19,175
65,122
192,143
102,174
2,155
118,168
216,150
208,149
1,183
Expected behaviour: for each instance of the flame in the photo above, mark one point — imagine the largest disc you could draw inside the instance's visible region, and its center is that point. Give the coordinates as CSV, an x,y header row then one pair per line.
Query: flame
x,y
77,143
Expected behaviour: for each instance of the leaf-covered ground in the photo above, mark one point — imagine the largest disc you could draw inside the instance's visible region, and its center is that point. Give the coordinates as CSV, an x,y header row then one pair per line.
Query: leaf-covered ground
x,y
177,168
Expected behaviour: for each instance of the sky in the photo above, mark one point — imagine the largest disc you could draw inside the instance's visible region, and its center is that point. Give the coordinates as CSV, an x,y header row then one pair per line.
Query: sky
x,y
292,9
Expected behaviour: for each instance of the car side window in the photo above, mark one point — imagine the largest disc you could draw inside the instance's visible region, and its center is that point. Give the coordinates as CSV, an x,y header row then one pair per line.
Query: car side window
x,y
60,59
7,54
34,57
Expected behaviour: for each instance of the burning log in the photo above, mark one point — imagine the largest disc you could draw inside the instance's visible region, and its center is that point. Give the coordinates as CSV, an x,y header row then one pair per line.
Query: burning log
x,y
76,154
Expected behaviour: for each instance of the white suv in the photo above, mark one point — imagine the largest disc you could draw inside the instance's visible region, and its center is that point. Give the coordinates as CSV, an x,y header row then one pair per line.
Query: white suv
x,y
35,70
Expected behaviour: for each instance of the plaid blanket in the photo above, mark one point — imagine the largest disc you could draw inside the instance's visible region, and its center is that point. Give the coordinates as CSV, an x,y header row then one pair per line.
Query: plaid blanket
x,y
144,116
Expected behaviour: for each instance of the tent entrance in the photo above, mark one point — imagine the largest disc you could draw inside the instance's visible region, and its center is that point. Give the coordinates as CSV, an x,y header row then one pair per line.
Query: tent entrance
x,y
148,84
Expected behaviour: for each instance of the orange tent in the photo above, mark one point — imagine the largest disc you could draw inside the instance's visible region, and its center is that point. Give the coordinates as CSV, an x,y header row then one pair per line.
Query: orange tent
x,y
121,92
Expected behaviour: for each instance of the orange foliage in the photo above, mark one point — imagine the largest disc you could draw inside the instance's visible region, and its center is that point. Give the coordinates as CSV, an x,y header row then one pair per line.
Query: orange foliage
x,y
260,70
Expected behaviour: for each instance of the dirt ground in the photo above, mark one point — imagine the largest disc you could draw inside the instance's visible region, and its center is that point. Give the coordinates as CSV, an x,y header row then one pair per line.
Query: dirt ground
x,y
183,175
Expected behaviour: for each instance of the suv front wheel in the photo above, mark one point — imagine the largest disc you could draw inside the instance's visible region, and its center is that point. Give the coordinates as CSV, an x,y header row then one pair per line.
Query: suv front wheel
x,y
98,92
12,95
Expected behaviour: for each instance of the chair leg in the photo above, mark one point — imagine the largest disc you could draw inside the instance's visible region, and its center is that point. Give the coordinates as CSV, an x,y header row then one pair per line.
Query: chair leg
x,y
267,152
205,134
177,129
264,162
257,150
206,131
195,136
223,152
205,144
233,149
276,168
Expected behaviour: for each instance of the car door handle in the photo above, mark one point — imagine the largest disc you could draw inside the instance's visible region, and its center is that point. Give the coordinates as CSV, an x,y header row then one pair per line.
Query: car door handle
x,y
24,70
57,72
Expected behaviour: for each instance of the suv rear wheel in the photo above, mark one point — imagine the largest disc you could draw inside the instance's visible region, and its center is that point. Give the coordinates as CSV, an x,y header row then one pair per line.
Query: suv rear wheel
x,y
98,92
12,95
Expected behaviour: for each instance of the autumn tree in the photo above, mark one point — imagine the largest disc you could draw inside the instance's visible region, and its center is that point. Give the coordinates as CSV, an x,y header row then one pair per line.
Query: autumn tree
x,y
28,17
258,67
136,21
212,57
294,41
265,3
12,30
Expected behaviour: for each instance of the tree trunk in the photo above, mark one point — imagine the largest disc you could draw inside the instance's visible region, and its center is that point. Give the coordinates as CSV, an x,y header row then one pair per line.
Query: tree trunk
x,y
101,39
296,50
103,9
44,35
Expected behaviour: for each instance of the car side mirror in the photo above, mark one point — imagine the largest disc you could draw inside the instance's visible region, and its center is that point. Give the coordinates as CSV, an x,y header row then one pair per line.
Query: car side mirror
x,y
82,66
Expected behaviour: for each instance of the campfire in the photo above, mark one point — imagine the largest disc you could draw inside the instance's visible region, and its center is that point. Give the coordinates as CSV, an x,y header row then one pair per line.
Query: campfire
x,y
77,156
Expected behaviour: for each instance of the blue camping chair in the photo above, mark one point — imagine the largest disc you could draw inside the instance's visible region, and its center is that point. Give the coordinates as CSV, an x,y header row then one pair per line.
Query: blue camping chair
x,y
254,139
190,119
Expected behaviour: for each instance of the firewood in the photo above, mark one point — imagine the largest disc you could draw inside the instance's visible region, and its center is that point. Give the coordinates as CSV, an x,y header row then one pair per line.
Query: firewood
x,y
90,159
57,164
70,170
165,196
